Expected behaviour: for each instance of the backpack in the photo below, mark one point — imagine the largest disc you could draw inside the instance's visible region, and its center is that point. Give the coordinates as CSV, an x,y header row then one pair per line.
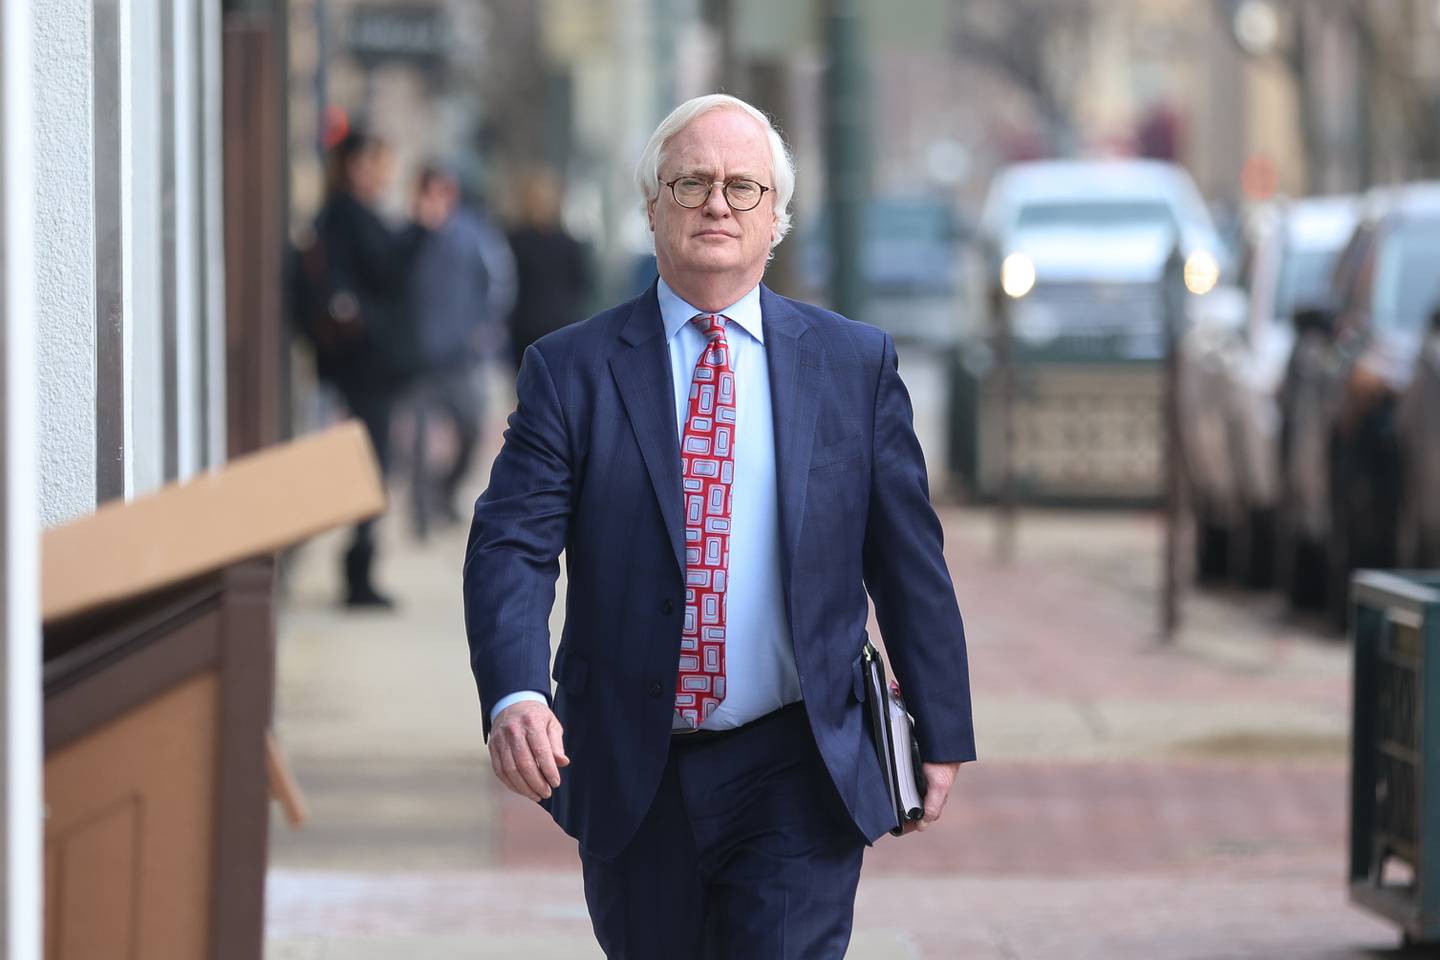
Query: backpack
x,y
328,317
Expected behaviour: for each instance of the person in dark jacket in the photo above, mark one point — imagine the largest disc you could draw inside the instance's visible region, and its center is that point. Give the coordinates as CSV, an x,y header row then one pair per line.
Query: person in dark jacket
x,y
356,272
552,279
463,286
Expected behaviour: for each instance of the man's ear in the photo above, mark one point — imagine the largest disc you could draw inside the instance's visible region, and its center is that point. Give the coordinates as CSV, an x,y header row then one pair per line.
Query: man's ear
x,y
650,214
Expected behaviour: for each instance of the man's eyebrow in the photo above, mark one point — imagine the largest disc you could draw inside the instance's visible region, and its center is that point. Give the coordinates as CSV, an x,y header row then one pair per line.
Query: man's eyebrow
x,y
710,173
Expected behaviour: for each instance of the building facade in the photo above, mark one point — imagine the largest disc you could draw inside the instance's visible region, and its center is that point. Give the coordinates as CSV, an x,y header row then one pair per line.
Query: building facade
x,y
129,300
117,339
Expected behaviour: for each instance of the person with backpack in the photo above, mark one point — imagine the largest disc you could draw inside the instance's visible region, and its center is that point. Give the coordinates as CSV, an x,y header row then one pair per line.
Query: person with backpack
x,y
353,284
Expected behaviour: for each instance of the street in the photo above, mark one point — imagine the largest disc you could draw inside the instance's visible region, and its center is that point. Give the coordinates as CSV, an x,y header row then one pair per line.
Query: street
x,y
1126,252
1132,800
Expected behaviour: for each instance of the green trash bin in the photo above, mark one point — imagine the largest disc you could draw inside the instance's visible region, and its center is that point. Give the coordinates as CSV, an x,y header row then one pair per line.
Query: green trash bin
x,y
1395,749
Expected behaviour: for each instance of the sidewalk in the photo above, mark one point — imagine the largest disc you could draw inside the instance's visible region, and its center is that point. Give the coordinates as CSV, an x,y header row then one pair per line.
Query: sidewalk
x,y
1132,800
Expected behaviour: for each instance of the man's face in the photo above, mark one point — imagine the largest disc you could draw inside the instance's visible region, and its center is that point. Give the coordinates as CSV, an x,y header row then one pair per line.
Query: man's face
x,y
442,193
370,173
718,145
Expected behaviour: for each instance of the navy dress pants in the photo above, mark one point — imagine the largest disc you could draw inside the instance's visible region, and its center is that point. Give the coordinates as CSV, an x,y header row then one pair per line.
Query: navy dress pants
x,y
747,853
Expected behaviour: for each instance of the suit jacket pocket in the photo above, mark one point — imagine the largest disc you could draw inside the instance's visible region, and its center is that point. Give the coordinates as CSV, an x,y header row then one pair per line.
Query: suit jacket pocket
x,y
571,671
847,448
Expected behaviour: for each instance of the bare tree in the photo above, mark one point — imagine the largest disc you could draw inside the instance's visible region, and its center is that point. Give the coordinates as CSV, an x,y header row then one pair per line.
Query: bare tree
x,y
1390,105
516,79
1036,46
1405,120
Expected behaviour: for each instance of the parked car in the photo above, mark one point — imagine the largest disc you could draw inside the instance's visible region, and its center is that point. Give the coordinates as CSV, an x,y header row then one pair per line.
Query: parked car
x,y
1079,247
911,261
1232,364
1342,455
1418,428
1074,254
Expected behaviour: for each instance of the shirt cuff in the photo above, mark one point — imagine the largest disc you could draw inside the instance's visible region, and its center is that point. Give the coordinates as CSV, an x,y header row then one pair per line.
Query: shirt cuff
x,y
516,698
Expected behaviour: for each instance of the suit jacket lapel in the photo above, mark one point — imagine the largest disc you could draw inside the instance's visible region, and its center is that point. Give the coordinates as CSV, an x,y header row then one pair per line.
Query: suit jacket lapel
x,y
642,374
796,372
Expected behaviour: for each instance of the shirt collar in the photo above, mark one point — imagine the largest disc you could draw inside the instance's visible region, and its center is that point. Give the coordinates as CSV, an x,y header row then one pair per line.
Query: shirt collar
x,y
675,312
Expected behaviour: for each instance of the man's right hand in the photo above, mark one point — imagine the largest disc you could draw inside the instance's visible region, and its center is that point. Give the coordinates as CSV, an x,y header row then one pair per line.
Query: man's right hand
x,y
527,749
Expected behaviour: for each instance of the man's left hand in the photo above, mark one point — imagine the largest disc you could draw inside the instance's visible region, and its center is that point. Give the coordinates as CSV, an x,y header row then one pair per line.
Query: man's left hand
x,y
939,777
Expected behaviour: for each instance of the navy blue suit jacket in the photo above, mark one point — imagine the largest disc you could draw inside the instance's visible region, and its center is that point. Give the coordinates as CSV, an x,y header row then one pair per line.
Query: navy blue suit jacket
x,y
591,466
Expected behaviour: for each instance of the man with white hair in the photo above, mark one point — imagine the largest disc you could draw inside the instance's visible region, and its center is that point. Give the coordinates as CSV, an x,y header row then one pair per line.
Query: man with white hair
x,y
728,472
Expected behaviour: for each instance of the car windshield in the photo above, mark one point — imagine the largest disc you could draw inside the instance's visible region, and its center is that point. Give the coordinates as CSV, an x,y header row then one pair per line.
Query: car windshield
x,y
906,221
1407,285
1304,280
1095,215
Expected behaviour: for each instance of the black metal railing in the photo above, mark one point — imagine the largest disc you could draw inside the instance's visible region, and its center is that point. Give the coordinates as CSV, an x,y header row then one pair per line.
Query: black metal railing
x,y
1395,749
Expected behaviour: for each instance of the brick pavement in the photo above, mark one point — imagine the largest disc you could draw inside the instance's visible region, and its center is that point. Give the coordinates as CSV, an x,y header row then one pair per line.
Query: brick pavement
x,y
1070,820
1131,800
1292,914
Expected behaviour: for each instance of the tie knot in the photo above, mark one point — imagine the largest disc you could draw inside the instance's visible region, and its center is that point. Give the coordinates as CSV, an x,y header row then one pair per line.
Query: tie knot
x,y
710,324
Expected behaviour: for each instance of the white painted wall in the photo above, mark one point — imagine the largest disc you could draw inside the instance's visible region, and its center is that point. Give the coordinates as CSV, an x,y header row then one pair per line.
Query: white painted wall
x,y
64,258
66,298
48,343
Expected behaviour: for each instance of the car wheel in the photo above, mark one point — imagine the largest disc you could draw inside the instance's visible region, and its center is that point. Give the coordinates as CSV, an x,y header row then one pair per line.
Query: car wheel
x,y
1305,583
1339,566
1426,551
1212,548
1258,570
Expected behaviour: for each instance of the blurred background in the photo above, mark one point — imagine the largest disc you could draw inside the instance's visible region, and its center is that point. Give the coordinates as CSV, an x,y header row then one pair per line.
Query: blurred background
x,y
1164,279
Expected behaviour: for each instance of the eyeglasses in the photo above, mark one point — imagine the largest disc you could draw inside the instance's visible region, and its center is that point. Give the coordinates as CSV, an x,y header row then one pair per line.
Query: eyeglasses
x,y
741,193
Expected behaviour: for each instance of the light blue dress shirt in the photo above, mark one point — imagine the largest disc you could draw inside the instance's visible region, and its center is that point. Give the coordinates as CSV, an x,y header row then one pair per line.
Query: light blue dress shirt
x,y
759,656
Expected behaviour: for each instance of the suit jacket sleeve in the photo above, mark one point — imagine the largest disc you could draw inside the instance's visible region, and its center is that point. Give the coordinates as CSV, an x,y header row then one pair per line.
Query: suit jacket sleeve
x,y
906,575
519,529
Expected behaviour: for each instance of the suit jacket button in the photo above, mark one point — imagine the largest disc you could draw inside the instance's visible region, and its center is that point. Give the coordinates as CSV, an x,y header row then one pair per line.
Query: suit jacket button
x,y
656,689
667,608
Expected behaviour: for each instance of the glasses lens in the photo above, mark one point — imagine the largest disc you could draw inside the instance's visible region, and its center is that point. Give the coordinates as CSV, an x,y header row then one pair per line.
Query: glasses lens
x,y
743,194
691,191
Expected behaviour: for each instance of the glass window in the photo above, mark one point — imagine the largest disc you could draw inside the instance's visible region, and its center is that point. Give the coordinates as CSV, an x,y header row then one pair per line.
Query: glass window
x,y
1407,285
1096,215
111,400
1304,280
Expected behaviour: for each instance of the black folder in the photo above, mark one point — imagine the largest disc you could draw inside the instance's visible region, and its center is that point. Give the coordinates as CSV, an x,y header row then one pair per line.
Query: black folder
x,y
893,730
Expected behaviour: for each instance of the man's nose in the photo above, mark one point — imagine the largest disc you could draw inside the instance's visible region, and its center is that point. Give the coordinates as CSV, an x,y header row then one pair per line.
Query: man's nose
x,y
715,204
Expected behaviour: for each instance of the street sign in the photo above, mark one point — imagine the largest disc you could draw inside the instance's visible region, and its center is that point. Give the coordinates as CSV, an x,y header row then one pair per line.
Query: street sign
x,y
398,33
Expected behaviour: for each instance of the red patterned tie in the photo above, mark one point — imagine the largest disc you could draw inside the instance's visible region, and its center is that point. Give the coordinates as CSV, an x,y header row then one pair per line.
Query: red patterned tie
x,y
707,470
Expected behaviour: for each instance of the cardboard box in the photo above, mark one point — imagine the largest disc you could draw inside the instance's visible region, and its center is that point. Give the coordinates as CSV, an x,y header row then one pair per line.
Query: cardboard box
x,y
254,505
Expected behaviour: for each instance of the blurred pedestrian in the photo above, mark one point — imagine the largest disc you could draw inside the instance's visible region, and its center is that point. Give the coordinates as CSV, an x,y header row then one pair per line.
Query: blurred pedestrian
x,y
552,278
727,472
351,302
463,286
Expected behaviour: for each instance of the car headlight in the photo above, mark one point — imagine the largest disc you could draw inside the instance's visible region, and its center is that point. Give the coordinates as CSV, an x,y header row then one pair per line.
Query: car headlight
x,y
1017,275
1202,272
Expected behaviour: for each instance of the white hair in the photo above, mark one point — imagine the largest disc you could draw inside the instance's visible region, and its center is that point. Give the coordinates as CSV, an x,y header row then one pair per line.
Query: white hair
x,y
782,167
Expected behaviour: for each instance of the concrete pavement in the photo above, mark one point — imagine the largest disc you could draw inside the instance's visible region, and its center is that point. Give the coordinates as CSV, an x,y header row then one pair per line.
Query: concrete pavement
x,y
1132,800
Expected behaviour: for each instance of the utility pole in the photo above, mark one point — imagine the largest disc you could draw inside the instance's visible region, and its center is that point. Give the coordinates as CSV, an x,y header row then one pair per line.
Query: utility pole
x,y
1005,514
322,77
1173,312
719,16
847,144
